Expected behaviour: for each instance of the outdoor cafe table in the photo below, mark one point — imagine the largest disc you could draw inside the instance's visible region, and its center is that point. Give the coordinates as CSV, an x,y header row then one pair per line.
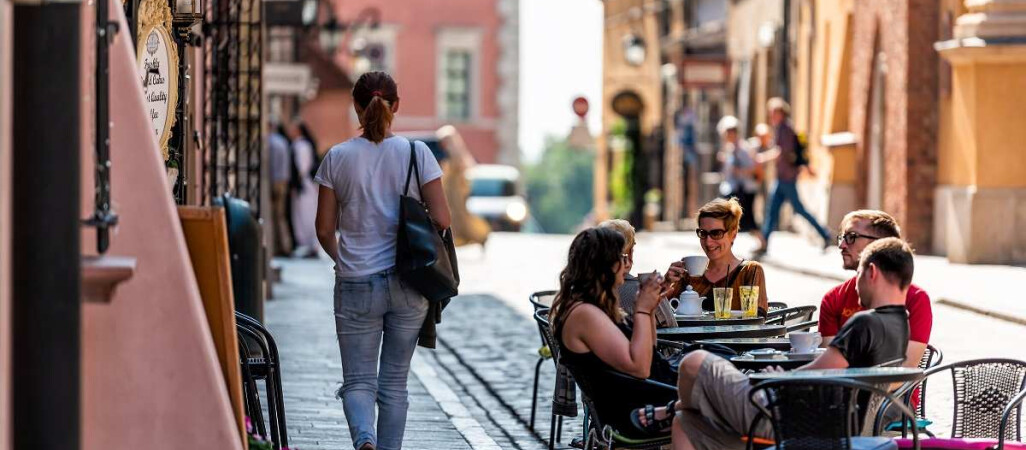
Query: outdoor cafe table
x,y
786,361
708,319
720,332
745,344
869,375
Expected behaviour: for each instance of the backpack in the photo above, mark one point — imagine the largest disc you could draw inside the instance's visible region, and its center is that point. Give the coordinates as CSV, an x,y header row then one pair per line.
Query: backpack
x,y
801,157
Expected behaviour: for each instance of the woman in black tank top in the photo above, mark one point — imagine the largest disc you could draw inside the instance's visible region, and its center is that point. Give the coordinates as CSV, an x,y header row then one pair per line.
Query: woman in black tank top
x,y
588,324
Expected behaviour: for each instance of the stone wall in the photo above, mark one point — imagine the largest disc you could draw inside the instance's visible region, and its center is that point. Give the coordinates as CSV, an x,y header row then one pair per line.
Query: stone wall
x,y
903,31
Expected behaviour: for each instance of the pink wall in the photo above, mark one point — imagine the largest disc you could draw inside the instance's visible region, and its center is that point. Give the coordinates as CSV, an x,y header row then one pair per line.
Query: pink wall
x,y
417,23
5,224
150,377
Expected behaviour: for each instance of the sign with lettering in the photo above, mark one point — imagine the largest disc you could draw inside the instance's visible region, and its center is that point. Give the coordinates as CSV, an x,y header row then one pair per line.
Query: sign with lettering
x,y
157,60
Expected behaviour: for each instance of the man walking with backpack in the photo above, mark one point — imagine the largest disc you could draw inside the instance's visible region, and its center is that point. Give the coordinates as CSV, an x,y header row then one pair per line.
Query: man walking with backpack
x,y
789,153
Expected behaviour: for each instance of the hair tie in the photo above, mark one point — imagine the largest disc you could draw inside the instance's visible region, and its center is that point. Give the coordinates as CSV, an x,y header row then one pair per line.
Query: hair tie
x,y
377,94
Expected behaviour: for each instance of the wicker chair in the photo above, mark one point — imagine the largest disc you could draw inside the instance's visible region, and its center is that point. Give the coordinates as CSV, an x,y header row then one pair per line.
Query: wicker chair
x,y
259,360
818,414
932,357
987,393
540,300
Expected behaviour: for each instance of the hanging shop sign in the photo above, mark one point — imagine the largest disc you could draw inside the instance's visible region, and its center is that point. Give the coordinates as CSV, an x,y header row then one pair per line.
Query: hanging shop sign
x,y
157,60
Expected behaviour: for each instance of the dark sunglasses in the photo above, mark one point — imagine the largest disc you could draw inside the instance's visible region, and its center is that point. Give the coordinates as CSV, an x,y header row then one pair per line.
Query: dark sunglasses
x,y
849,237
715,234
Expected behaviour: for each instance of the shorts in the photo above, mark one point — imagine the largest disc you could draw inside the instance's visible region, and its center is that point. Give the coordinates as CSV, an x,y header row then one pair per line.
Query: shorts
x,y
720,411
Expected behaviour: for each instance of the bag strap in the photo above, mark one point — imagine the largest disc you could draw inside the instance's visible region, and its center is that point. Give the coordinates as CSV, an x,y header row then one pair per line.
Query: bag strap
x,y
413,169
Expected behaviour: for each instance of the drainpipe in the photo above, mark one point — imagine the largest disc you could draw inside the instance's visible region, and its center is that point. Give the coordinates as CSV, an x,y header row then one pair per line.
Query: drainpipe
x,y
45,313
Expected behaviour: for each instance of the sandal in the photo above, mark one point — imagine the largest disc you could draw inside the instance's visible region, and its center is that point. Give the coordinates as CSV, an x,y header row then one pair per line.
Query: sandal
x,y
653,426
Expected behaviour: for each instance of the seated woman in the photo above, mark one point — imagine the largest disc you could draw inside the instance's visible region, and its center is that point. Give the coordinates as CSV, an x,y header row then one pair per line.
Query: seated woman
x,y
628,291
717,229
589,327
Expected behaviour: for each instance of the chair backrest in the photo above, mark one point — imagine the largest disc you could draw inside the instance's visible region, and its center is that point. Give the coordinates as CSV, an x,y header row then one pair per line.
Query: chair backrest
x,y
814,414
541,317
776,305
932,357
542,299
790,316
983,388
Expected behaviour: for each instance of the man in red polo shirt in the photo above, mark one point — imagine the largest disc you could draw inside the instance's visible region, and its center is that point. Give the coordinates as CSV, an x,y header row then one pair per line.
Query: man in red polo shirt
x,y
859,228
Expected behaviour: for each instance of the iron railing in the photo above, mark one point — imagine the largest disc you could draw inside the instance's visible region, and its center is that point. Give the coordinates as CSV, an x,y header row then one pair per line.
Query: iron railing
x,y
232,120
103,217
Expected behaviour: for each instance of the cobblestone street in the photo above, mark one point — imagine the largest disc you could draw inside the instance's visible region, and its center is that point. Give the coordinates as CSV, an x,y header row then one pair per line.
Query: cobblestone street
x,y
474,391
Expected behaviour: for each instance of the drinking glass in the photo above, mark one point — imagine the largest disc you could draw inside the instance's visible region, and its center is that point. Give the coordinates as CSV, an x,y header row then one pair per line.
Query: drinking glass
x,y
722,298
749,300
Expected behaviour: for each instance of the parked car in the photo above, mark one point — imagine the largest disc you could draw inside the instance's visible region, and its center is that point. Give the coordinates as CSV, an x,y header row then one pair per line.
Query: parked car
x,y
493,196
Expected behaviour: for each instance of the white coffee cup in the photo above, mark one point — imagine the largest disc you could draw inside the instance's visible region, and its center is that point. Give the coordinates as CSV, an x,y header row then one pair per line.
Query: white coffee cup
x,y
804,341
696,265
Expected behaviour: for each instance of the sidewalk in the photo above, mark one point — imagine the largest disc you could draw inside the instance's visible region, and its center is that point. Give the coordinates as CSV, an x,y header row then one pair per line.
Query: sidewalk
x,y
301,320
983,289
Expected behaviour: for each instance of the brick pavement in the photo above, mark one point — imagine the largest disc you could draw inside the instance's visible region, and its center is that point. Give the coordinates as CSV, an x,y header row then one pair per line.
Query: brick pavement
x,y
301,319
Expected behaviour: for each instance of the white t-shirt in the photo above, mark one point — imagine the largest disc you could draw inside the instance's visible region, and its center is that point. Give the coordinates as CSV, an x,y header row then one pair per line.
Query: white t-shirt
x,y
368,179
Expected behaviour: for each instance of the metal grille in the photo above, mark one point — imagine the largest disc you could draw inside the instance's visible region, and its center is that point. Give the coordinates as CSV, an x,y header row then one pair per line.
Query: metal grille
x,y
232,122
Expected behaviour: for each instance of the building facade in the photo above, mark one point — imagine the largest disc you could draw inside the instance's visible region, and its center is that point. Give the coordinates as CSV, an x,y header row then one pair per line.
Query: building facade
x,y
456,62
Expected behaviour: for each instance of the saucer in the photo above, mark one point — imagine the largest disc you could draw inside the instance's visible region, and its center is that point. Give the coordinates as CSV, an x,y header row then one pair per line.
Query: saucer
x,y
815,351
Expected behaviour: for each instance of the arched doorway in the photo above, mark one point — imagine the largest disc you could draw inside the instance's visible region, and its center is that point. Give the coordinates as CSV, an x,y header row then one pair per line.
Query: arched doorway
x,y
627,162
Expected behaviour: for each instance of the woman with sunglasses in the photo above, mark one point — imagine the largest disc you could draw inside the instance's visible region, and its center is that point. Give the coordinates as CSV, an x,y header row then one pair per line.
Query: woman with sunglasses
x,y
717,229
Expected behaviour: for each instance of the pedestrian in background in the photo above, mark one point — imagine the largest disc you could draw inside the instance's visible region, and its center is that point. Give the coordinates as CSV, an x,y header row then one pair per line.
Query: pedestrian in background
x,y
304,191
377,316
280,167
739,170
789,154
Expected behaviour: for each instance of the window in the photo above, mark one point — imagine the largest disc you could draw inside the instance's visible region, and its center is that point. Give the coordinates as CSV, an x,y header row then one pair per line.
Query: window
x,y
457,75
457,84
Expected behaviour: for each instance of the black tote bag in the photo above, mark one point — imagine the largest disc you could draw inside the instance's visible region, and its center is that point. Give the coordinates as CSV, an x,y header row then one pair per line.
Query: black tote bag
x,y
425,257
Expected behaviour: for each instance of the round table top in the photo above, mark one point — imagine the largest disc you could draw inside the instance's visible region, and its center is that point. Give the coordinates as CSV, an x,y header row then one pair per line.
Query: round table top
x,y
744,344
721,331
786,360
708,319
871,375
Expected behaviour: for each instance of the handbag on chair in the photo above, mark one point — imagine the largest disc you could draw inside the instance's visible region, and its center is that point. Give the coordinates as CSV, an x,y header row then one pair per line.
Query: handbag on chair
x,y
425,257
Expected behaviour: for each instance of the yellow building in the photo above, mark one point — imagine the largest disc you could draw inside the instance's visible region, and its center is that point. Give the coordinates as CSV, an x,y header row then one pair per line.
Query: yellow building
x,y
632,102
911,106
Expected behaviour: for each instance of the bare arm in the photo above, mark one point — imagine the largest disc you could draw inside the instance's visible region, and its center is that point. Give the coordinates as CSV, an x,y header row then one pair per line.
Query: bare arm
x,y
326,221
589,327
830,359
914,354
438,207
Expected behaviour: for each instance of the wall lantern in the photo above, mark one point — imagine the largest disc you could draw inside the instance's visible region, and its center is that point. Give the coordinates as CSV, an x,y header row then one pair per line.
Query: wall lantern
x,y
634,49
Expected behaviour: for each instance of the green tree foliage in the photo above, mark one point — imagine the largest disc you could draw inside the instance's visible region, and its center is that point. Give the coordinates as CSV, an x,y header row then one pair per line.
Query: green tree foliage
x,y
559,186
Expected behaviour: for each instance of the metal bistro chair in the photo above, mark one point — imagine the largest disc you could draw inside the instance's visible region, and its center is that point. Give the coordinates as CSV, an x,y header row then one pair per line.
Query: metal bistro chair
x,y
599,433
259,360
932,357
773,306
789,316
819,414
556,423
986,394
540,300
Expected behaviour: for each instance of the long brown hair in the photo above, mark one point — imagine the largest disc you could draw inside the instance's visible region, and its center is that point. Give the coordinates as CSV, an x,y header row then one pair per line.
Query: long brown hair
x,y
375,93
590,275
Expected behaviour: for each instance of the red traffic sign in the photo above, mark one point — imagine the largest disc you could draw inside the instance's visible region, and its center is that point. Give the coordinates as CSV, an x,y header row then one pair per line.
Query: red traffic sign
x,y
580,106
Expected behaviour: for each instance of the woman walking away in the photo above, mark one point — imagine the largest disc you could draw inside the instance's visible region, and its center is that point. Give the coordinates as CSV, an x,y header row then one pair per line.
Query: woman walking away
x,y
304,191
361,180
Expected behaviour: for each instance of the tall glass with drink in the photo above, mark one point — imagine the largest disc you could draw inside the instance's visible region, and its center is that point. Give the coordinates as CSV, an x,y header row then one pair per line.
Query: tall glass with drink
x,y
722,299
749,300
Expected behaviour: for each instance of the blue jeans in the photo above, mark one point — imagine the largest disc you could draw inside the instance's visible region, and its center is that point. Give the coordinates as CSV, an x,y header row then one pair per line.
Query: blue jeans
x,y
376,312
787,190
